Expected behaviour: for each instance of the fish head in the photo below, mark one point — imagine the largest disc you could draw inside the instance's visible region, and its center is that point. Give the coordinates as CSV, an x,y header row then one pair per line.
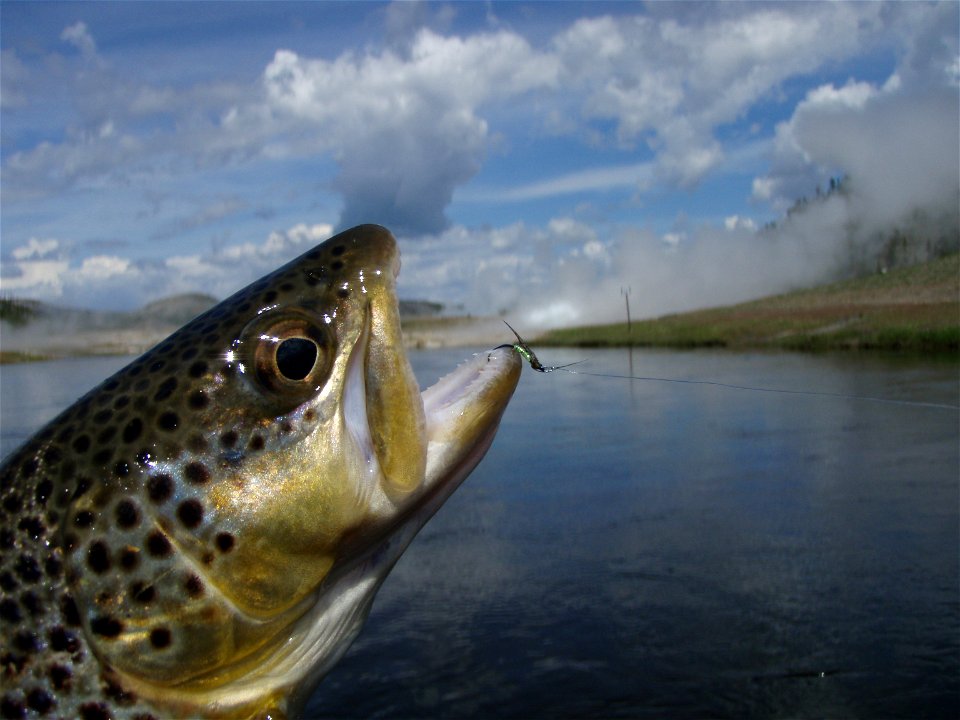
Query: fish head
x,y
274,459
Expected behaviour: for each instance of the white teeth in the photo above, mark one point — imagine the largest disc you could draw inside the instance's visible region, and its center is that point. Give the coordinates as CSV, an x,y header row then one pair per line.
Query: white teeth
x,y
444,401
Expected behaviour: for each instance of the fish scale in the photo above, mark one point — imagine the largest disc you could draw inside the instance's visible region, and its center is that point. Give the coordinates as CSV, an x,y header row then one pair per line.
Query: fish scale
x,y
163,536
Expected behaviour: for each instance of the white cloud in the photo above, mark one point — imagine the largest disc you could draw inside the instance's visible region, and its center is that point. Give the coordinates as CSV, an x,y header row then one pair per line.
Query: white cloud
x,y
36,279
101,267
35,248
670,83
404,131
79,36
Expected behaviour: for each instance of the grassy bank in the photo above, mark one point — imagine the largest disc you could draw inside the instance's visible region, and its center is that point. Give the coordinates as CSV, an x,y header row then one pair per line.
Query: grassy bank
x,y
915,309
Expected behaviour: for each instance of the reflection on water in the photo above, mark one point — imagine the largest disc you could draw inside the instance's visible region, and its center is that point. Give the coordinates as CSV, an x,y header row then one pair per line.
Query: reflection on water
x,y
645,549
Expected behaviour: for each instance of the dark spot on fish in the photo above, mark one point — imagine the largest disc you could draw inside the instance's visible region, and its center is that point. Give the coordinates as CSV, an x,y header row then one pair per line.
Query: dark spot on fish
x,y
7,539
197,473
31,602
166,389
39,701
127,514
337,250
156,366
103,456
224,542
129,558
121,469
188,354
43,490
197,369
59,676
10,610
98,557
94,711
68,607
12,708
287,287
343,293
133,430
120,696
13,503
32,526
256,443
112,385
336,265
194,586
121,402
228,439
286,427
198,400
168,421
25,641
62,640
106,626
29,467
81,444
102,416
8,582
160,638
53,566
83,518
309,415
160,487
27,569
158,545
142,385
190,513
143,594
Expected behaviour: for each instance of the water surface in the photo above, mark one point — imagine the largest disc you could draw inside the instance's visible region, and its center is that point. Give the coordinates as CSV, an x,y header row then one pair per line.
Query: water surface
x,y
643,549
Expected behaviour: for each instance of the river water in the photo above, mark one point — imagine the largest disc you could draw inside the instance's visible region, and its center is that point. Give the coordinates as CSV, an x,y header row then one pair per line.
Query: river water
x,y
650,549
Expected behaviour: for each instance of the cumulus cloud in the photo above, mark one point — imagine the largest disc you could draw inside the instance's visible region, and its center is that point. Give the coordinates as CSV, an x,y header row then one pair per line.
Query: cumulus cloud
x,y
671,83
405,131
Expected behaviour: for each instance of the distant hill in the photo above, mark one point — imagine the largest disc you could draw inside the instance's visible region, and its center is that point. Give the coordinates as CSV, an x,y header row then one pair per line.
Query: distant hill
x,y
915,308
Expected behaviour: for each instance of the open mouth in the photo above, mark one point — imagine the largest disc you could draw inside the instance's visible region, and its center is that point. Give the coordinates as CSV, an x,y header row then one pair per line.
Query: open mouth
x,y
460,415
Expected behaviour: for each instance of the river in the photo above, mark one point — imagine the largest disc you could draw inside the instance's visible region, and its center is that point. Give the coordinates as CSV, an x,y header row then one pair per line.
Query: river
x,y
651,549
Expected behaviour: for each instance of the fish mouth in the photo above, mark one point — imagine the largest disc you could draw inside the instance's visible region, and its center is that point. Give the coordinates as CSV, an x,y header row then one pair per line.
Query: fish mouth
x,y
461,412
453,423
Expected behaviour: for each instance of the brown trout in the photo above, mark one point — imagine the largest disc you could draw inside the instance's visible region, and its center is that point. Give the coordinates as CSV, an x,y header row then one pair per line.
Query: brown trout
x,y
202,534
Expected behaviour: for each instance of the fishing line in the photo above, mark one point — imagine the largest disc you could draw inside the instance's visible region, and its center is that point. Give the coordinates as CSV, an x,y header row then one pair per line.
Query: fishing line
x,y
527,354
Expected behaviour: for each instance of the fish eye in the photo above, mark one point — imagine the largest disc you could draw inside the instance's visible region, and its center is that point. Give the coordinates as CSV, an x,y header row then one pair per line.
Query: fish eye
x,y
296,357
292,354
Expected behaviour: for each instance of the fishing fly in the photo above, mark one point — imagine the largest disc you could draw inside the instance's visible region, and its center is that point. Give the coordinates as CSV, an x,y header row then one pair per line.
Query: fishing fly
x,y
527,353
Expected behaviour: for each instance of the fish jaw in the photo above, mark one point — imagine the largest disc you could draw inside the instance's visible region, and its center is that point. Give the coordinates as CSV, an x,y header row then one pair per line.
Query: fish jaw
x,y
463,412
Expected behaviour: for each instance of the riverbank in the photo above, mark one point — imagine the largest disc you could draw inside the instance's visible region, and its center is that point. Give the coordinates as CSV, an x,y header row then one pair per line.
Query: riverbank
x,y
912,309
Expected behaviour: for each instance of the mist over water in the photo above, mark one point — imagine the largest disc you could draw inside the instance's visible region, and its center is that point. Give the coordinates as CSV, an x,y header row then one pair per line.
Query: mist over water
x,y
854,168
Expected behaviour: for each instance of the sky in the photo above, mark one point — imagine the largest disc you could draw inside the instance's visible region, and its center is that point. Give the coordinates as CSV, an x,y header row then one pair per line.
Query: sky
x,y
536,159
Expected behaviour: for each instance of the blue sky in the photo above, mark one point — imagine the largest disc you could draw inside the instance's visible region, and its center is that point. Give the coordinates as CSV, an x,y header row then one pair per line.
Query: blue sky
x,y
531,157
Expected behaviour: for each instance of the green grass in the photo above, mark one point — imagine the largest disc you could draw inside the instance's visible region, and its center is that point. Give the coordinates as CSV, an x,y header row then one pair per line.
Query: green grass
x,y
914,309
